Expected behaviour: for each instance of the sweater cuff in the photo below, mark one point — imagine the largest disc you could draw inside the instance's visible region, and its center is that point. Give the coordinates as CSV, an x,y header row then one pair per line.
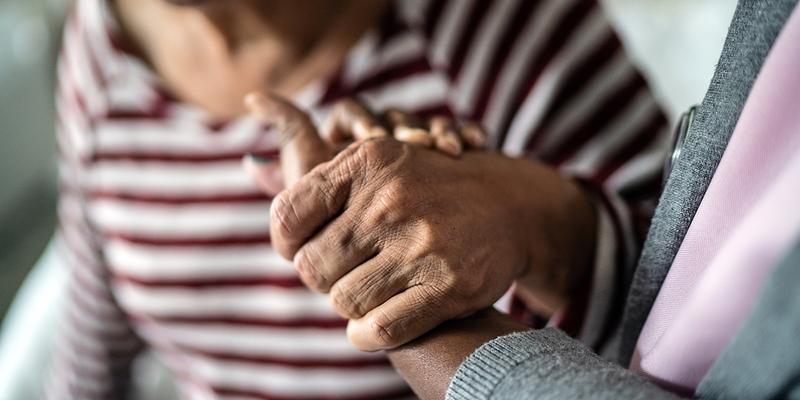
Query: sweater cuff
x,y
490,364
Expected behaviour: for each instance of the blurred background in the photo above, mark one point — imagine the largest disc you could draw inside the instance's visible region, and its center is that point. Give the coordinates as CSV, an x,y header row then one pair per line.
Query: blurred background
x,y
676,42
29,32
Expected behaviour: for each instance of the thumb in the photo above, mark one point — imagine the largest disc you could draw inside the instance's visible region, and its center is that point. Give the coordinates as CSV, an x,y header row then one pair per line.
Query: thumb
x,y
301,147
266,172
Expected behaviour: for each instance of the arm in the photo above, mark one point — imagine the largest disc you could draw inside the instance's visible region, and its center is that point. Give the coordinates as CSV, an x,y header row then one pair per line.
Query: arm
x,y
491,356
429,363
550,80
96,344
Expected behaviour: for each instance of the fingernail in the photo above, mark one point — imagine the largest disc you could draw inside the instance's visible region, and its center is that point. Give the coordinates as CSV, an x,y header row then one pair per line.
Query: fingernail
x,y
449,145
413,135
378,131
265,171
257,159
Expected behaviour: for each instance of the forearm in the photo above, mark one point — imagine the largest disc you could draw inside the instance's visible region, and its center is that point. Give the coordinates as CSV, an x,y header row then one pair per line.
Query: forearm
x,y
429,363
492,356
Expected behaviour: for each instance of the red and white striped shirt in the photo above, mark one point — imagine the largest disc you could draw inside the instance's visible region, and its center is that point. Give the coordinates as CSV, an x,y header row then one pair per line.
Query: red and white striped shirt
x,y
165,234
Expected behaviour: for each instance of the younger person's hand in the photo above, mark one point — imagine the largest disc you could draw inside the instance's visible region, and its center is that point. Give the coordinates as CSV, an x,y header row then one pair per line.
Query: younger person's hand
x,y
404,238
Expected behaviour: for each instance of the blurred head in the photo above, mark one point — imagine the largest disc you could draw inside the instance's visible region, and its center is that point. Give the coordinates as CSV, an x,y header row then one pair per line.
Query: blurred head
x,y
212,52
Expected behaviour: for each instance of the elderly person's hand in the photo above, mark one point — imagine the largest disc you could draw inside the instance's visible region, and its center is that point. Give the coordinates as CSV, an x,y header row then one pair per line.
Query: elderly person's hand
x,y
404,238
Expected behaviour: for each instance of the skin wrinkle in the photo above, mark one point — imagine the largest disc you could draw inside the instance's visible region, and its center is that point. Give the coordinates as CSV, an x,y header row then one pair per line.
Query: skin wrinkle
x,y
296,217
345,302
309,272
278,215
416,201
338,229
381,329
351,300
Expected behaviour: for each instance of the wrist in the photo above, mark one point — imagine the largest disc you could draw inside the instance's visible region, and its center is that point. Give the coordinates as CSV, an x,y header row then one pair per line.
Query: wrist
x,y
559,224
429,363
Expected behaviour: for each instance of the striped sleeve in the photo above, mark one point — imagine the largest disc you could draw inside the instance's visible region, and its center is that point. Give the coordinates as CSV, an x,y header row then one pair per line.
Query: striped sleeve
x,y
96,344
550,79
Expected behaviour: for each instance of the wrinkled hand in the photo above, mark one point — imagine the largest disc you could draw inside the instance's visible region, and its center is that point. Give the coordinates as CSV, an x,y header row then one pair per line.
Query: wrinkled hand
x,y
404,238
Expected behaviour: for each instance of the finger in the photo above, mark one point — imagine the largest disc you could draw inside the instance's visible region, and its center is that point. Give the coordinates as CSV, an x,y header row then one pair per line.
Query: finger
x,y
333,252
416,136
406,128
350,120
445,137
368,285
266,172
301,147
474,135
399,320
302,209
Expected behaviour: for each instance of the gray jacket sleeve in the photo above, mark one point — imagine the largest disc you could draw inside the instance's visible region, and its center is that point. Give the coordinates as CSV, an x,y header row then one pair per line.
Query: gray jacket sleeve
x,y
545,364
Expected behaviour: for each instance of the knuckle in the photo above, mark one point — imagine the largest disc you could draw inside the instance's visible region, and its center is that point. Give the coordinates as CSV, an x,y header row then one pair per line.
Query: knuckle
x,y
381,328
296,122
371,150
377,151
387,208
309,270
321,192
446,283
345,302
376,216
341,239
429,242
280,209
283,218
437,289
395,191
395,205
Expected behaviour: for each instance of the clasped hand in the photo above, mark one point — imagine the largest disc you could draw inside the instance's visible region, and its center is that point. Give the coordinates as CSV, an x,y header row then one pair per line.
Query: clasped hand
x,y
404,238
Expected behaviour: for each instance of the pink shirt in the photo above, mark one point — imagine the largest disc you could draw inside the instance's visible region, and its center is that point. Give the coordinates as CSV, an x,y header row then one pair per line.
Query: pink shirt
x,y
746,221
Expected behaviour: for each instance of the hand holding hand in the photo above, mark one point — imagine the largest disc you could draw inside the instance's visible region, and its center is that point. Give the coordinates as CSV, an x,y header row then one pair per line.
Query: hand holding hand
x,y
404,238
349,121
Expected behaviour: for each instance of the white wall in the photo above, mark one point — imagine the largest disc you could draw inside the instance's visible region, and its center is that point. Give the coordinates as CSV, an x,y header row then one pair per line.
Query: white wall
x,y
676,42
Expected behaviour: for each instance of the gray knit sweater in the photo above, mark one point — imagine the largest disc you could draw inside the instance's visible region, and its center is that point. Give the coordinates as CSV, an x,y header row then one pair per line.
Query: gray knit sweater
x,y
763,360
